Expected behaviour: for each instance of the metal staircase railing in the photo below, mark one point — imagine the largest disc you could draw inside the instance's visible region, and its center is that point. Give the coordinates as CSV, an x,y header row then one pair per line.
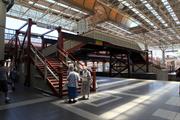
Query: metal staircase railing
x,y
42,59
39,59
69,59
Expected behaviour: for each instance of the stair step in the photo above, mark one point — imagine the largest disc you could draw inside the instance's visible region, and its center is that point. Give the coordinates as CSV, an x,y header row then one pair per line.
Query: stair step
x,y
56,86
53,81
50,77
64,79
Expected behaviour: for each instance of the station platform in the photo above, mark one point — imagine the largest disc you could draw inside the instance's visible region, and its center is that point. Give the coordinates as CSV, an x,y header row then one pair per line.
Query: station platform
x,y
115,99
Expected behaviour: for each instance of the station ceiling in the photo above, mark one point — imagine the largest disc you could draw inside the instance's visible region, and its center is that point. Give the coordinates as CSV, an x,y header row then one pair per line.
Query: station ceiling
x,y
151,22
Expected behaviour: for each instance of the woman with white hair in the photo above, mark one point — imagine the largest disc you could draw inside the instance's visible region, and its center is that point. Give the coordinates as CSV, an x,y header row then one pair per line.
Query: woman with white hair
x,y
72,78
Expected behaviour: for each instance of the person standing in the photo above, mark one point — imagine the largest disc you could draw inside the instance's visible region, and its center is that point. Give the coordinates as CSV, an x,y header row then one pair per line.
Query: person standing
x,y
86,83
13,77
3,81
72,78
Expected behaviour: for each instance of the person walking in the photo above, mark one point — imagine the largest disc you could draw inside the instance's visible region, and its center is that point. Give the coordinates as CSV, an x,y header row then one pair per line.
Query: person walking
x,y
3,80
86,83
72,78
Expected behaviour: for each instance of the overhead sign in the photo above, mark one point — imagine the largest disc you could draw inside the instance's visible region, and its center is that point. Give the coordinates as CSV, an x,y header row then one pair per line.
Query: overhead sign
x,y
98,42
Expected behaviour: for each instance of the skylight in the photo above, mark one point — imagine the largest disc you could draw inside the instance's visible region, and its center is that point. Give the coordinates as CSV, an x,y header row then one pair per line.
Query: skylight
x,y
137,12
54,10
152,10
65,6
170,10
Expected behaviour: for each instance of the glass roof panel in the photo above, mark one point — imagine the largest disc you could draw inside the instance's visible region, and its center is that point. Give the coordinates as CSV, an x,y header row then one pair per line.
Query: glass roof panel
x,y
68,7
137,12
23,12
16,23
152,10
170,10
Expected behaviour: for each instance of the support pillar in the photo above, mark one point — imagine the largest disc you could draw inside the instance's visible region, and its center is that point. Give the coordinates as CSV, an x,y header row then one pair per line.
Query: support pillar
x,y
2,28
60,44
16,46
147,56
94,78
163,57
110,65
163,48
147,61
103,65
60,80
43,45
129,65
28,77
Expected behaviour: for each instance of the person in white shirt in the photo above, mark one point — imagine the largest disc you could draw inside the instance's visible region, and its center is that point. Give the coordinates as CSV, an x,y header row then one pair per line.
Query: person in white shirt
x,y
86,83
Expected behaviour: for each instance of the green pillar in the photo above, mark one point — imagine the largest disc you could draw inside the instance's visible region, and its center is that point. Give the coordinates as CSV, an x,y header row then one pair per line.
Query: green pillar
x,y
2,26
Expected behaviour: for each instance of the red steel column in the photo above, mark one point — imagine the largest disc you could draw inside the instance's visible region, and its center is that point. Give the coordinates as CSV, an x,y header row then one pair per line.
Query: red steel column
x,y
60,44
94,77
28,77
60,80
16,46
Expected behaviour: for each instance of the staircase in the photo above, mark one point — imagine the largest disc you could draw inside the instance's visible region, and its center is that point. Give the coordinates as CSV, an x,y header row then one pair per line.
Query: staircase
x,y
55,63
49,68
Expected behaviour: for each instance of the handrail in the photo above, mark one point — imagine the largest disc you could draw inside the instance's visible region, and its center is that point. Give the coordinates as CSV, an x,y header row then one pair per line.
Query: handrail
x,y
38,52
72,59
71,56
156,63
42,61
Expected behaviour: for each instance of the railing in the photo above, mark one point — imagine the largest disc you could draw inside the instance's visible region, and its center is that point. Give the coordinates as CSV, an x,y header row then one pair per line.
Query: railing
x,y
77,64
68,57
157,63
42,59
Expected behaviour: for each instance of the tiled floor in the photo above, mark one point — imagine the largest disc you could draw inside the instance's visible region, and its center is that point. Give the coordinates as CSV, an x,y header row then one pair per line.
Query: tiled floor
x,y
115,99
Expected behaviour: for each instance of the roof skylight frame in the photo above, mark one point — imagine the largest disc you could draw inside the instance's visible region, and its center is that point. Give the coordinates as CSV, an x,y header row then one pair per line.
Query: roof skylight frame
x,y
54,10
67,7
153,11
170,11
137,12
14,12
